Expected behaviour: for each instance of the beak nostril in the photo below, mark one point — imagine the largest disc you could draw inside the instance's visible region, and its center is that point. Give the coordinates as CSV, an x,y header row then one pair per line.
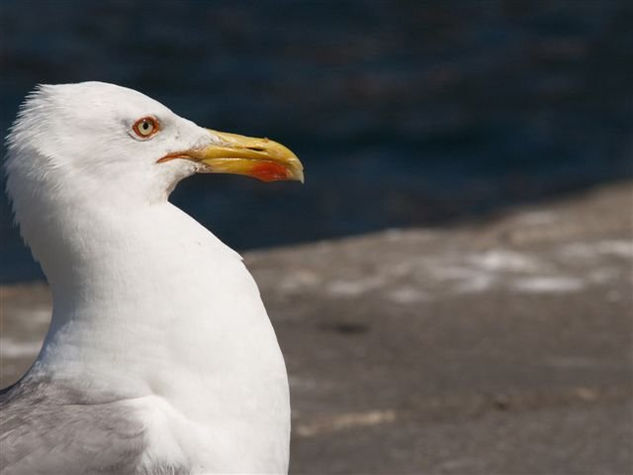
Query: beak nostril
x,y
256,149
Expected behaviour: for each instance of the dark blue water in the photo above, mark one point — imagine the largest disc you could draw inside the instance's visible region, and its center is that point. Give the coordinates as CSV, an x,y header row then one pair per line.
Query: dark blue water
x,y
404,112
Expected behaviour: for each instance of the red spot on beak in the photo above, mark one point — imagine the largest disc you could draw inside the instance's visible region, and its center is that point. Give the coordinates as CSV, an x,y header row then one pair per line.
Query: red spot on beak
x,y
269,171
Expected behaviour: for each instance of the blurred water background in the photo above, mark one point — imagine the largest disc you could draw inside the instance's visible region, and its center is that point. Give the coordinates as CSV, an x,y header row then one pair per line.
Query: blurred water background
x,y
405,113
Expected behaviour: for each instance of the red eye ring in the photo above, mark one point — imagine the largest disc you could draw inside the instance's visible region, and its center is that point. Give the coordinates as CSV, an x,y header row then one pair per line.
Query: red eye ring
x,y
145,127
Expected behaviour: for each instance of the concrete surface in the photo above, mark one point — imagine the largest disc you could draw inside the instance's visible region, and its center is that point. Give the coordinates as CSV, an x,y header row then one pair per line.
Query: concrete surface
x,y
495,347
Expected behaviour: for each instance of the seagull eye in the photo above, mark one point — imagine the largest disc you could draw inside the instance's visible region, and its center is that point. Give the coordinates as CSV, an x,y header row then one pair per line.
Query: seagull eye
x,y
145,127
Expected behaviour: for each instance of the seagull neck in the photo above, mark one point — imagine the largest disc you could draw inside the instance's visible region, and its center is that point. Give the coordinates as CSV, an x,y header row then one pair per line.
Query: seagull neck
x,y
150,287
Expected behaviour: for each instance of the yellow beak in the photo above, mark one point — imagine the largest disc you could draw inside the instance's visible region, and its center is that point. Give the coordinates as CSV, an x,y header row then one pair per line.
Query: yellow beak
x,y
263,159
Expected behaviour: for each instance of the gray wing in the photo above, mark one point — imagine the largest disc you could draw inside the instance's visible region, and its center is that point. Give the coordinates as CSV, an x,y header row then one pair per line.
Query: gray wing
x,y
49,428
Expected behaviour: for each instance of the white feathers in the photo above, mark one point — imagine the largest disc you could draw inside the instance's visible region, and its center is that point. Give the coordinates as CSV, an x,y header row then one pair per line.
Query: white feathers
x,y
147,303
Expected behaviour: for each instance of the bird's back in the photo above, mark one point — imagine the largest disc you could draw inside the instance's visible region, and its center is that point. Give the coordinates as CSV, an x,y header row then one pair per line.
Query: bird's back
x,y
47,427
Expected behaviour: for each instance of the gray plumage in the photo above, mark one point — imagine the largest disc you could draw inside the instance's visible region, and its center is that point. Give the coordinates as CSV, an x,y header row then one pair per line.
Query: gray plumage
x,y
49,428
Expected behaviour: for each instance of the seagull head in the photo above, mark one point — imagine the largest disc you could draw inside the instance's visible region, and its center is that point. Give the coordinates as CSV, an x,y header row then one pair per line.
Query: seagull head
x,y
107,138
78,153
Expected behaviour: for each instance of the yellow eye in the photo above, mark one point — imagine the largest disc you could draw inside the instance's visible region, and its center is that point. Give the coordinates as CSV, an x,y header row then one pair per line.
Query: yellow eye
x,y
145,127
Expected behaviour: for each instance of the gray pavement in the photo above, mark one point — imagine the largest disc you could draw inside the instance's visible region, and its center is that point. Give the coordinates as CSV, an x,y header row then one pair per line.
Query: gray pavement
x,y
502,346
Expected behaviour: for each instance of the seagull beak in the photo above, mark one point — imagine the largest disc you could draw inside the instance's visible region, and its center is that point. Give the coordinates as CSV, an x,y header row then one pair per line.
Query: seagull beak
x,y
263,159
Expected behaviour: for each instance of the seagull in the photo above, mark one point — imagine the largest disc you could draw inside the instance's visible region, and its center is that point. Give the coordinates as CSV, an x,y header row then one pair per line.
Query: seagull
x,y
160,357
